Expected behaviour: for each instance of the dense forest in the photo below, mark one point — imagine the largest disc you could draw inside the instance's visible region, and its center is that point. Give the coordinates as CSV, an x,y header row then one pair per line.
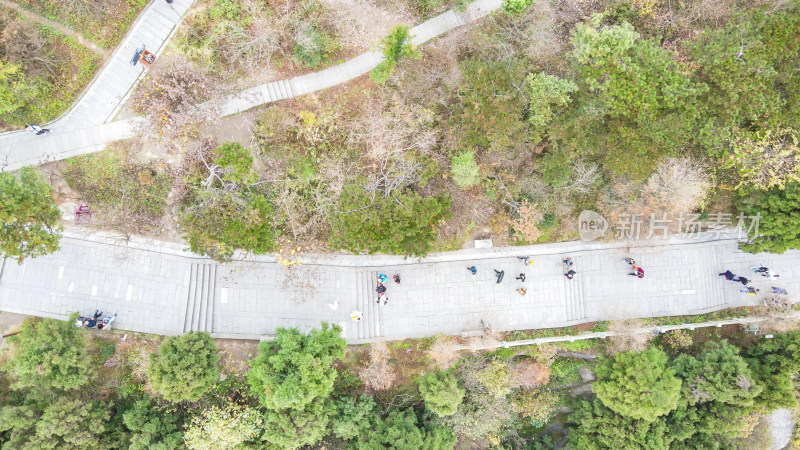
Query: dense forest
x,y
64,387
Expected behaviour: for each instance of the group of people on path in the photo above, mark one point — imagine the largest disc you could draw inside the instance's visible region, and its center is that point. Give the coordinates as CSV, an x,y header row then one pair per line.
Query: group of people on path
x,y
94,321
568,266
638,272
381,290
750,289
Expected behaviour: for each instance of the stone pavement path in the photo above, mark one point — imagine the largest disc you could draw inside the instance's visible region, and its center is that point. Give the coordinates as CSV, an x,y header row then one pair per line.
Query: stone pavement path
x,y
162,289
87,128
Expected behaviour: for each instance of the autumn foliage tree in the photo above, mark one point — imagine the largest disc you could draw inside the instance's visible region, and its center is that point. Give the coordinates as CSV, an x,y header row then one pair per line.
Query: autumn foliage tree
x,y
176,97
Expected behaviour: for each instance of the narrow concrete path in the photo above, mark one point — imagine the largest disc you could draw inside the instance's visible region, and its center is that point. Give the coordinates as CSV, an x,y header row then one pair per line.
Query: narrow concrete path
x,y
88,127
160,288
49,23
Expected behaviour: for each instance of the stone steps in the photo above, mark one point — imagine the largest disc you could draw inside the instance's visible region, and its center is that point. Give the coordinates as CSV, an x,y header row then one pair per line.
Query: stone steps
x,y
575,302
369,326
200,300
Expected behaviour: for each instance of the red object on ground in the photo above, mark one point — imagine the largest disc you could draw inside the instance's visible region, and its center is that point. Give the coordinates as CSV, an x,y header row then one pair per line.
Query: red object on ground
x,y
83,214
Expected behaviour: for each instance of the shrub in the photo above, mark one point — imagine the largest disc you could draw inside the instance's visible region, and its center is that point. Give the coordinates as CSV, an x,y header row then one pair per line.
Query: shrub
x,y
516,6
15,90
404,223
378,375
780,219
152,427
353,417
465,169
678,339
52,422
218,221
546,92
222,428
296,428
395,46
441,393
764,160
237,162
496,378
400,430
313,46
537,405
489,113
229,9
29,216
185,367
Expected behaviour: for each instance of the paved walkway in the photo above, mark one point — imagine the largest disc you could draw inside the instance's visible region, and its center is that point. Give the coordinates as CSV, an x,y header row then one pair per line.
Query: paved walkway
x,y
160,288
88,127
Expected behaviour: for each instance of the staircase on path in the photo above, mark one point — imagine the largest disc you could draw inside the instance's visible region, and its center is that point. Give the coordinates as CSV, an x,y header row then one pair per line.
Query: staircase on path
x,y
199,314
369,326
575,304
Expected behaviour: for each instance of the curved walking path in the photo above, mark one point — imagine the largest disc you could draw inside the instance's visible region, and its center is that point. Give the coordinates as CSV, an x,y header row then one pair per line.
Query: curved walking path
x,y
158,287
90,124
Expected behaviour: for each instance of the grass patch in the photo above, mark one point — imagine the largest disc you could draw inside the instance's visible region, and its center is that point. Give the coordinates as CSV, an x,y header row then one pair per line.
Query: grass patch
x,y
126,194
103,22
53,67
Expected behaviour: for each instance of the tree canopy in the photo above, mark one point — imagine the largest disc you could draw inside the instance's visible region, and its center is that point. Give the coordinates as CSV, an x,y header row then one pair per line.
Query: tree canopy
x,y
29,217
184,367
50,355
295,369
638,385
441,393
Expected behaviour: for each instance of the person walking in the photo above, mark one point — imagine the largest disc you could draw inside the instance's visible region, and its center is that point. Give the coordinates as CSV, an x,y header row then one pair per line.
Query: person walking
x,y
381,289
728,275
750,290
568,271
396,278
473,270
638,272
382,277
499,274
527,260
742,280
765,272
356,316
31,128
522,291
521,277
106,324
